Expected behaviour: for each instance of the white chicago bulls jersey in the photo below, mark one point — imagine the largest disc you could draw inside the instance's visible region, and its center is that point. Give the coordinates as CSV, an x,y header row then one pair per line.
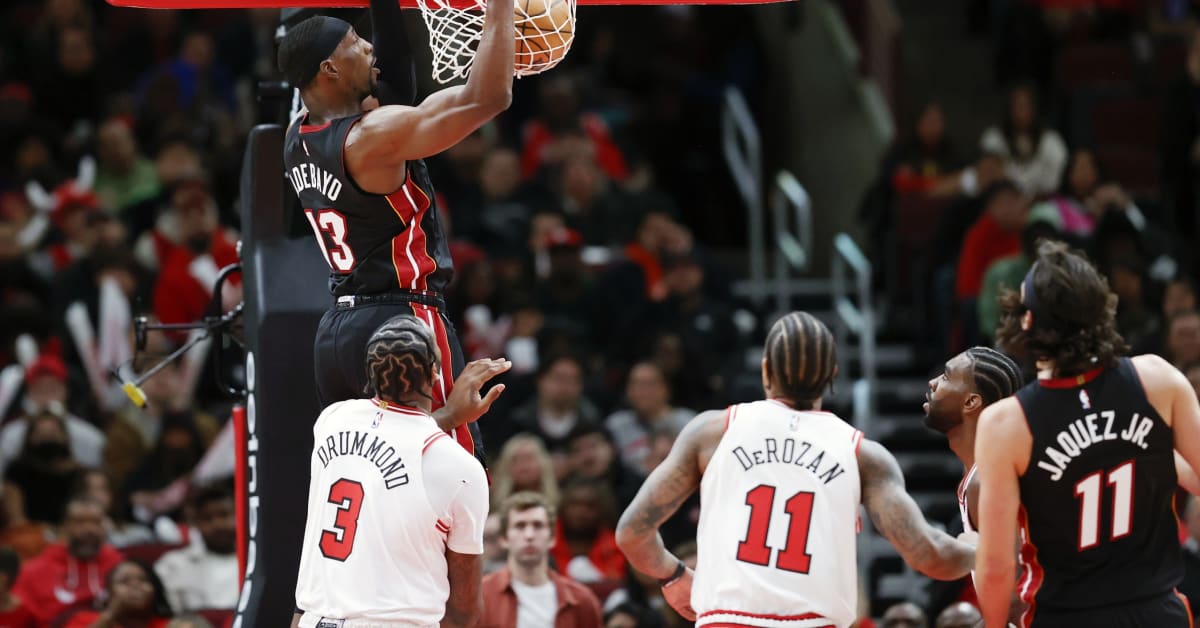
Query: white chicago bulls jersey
x,y
389,493
778,518
963,510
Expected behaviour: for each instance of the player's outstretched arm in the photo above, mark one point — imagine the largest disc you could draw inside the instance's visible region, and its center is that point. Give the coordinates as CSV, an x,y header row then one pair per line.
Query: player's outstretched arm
x,y
1002,428
668,486
894,513
465,404
465,605
391,135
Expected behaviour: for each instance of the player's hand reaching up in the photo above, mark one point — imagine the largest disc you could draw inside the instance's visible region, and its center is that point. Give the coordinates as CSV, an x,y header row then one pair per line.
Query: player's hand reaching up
x,y
466,404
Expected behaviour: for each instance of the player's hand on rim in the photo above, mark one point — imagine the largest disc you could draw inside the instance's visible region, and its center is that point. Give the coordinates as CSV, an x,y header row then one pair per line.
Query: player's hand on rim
x,y
466,404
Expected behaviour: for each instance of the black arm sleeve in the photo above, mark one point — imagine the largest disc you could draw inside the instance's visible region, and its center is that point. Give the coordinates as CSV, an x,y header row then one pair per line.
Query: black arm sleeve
x,y
397,69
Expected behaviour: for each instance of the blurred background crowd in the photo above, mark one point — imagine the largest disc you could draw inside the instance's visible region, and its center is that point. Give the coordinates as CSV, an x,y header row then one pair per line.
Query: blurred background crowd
x,y
592,229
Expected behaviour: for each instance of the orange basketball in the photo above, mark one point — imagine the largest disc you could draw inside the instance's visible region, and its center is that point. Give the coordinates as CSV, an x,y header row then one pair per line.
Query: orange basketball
x,y
545,29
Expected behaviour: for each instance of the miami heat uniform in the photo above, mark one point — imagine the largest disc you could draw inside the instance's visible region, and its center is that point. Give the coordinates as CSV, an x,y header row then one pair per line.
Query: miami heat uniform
x,y
389,494
778,521
1097,519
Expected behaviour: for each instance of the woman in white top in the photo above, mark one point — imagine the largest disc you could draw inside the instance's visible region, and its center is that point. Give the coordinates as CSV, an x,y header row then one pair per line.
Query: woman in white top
x,y
1035,156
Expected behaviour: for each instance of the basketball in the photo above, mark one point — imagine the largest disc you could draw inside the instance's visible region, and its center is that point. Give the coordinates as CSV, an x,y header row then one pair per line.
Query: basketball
x,y
545,29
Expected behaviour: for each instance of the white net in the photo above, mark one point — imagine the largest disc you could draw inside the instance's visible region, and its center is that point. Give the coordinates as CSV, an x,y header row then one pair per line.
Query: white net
x,y
544,32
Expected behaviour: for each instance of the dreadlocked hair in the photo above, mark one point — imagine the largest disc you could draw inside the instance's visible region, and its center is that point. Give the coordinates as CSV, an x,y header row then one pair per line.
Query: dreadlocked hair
x,y
996,375
401,358
801,357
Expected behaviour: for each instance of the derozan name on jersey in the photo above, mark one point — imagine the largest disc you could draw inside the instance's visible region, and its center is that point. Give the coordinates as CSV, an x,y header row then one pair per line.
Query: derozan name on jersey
x,y
788,453
378,452
1090,430
309,176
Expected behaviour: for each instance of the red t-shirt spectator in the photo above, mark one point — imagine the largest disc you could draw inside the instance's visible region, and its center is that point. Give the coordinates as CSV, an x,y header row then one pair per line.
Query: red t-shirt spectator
x,y
985,243
179,297
538,136
604,554
18,617
55,581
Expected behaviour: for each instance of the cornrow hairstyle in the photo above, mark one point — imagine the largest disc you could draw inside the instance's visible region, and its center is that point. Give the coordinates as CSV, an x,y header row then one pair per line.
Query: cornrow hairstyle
x,y
996,375
402,358
801,357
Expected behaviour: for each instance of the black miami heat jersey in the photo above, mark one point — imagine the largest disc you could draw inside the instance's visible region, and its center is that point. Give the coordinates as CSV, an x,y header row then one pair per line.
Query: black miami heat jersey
x,y
374,243
1097,514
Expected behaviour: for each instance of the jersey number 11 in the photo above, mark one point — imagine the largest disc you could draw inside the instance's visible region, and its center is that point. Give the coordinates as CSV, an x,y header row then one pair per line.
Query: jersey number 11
x,y
1089,491
794,556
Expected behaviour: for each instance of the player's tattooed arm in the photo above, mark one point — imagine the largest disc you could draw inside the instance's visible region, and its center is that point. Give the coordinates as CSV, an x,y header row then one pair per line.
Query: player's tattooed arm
x,y
669,485
895,515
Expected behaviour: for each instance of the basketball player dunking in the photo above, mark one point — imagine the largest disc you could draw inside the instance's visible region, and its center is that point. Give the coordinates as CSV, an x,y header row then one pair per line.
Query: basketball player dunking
x,y
1081,462
367,194
394,535
780,486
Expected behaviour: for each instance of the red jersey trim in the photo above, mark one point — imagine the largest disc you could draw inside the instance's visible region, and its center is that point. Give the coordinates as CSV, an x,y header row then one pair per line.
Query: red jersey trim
x,y
313,128
857,439
1034,575
1072,381
1187,606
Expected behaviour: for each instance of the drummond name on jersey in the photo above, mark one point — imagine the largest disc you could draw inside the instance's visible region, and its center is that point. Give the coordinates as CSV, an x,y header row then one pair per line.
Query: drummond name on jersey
x,y
1093,429
800,454
310,176
390,464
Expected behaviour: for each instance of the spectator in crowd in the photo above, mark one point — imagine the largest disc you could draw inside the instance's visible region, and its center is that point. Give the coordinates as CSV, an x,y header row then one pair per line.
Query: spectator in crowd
x,y
524,465
14,613
527,592
17,532
204,575
997,234
1136,320
1034,154
69,574
1007,272
94,484
585,544
1074,204
558,406
159,485
46,393
650,406
494,555
562,131
904,615
958,615
1178,296
1183,338
45,472
630,615
134,596
134,431
593,455
124,177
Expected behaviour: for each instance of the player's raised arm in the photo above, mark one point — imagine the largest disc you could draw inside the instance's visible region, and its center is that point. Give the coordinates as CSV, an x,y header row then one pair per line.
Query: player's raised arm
x,y
392,135
894,513
1001,427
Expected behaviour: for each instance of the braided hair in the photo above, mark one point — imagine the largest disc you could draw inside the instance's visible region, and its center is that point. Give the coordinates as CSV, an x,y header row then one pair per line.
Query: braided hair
x,y
402,358
801,357
996,375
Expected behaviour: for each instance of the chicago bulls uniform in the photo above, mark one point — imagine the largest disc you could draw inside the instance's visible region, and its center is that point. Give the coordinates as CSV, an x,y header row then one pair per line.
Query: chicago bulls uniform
x,y
778,520
389,494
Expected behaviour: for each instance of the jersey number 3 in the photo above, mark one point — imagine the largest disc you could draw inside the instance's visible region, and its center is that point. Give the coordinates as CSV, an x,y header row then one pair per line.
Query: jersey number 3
x,y
794,556
1089,491
329,222
348,496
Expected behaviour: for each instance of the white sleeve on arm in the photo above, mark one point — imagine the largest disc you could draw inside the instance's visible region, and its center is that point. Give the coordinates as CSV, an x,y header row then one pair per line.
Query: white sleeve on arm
x,y
458,491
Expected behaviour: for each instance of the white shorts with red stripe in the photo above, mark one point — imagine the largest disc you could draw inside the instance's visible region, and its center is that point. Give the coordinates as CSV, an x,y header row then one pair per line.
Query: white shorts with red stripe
x,y
743,619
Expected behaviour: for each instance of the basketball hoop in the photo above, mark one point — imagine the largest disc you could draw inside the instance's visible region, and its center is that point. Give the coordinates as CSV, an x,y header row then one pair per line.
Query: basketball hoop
x,y
544,32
